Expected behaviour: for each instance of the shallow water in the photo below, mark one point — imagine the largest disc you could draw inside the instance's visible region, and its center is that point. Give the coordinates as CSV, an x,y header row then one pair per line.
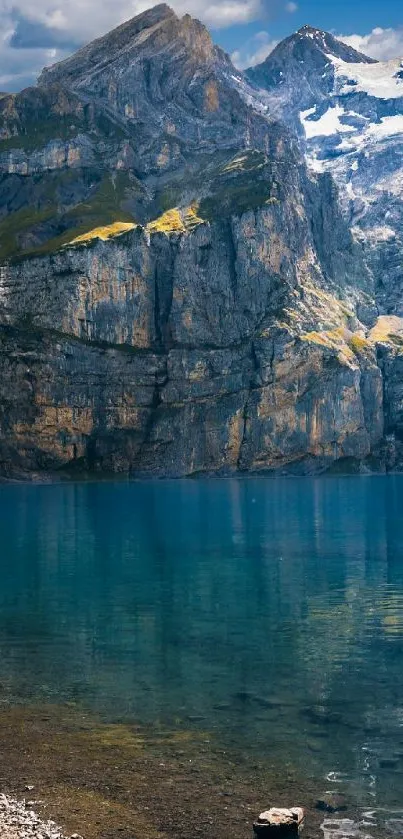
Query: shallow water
x,y
269,612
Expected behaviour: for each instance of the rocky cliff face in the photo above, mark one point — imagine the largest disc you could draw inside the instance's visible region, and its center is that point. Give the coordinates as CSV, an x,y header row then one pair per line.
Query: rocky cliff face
x,y
179,294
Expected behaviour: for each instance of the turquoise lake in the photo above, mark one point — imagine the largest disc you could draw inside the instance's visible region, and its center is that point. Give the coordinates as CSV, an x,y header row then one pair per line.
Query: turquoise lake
x,y
268,611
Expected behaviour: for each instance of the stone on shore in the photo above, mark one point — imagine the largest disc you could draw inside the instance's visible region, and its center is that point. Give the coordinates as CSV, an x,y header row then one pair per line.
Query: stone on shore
x,y
279,820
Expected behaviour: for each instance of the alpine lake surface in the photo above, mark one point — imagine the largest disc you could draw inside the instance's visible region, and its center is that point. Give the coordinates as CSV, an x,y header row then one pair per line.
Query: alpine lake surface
x,y
177,656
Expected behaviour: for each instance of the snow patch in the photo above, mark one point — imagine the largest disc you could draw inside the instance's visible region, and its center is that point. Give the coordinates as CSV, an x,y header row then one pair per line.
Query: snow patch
x,y
304,114
315,164
373,133
380,80
327,125
350,191
379,234
388,127
364,141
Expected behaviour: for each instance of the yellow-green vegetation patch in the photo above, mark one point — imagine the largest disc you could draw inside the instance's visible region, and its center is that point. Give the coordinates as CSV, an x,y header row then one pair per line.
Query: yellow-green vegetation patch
x,y
334,339
176,220
103,208
100,210
107,232
330,338
170,222
208,179
388,329
221,186
320,305
358,343
116,736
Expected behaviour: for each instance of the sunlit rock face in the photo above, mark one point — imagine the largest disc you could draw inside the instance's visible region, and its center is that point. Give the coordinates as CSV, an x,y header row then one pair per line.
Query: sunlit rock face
x,y
179,293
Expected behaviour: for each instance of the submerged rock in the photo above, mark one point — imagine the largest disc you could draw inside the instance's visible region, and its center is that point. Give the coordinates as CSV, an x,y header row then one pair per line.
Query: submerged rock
x,y
332,802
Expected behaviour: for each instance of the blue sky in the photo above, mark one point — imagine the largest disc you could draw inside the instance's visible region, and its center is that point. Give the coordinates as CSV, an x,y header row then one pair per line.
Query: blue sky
x,y
35,34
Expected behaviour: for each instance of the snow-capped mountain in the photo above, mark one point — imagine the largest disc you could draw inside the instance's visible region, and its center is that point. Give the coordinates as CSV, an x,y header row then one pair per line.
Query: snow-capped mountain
x,y
299,73
348,112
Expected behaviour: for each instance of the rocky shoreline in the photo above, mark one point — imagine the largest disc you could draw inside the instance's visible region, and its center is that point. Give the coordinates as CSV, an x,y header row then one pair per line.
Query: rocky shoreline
x,y
19,821
101,780
63,766
350,469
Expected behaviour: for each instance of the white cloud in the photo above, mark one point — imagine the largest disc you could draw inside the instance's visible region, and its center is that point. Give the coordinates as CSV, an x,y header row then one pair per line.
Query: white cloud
x,y
291,7
224,13
254,51
381,44
86,19
19,67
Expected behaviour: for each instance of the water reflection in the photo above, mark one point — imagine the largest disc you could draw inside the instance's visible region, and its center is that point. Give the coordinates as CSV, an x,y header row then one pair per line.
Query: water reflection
x,y
270,611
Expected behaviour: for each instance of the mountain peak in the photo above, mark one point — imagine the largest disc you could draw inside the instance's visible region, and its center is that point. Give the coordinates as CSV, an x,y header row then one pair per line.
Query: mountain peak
x,y
309,46
156,30
308,29
330,45
304,62
107,47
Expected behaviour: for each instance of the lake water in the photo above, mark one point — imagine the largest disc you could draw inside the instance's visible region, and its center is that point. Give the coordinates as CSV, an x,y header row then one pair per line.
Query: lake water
x,y
269,612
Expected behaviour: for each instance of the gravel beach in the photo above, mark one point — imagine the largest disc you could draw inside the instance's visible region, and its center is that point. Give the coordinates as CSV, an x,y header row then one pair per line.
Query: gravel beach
x,y
19,821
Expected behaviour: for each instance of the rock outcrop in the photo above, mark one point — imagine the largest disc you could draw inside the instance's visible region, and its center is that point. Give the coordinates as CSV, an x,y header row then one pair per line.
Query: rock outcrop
x,y
179,294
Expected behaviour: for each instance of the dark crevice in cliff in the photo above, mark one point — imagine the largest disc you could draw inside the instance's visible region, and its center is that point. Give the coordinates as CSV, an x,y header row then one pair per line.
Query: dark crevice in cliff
x,y
160,381
232,256
40,333
258,368
382,360
157,313
255,360
163,295
254,384
239,464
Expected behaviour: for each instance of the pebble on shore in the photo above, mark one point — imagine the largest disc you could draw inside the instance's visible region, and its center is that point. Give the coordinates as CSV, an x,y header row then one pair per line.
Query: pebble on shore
x,y
19,821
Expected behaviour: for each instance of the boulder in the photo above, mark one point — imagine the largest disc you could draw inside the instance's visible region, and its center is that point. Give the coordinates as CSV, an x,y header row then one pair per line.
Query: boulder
x,y
279,820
